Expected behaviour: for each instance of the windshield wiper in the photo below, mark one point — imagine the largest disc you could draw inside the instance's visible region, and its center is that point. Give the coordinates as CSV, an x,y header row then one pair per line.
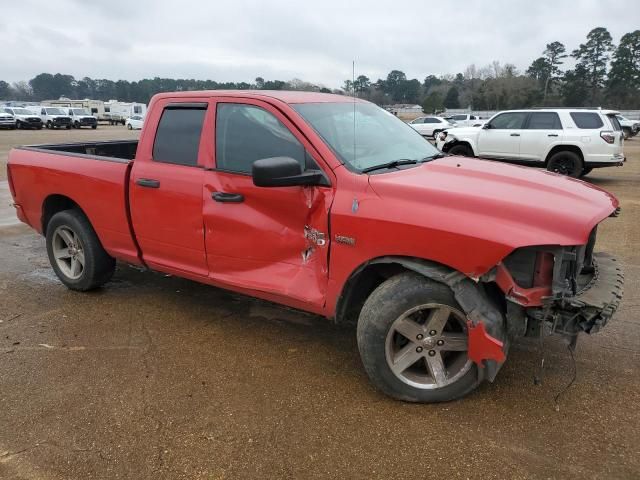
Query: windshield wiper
x,y
393,164
434,157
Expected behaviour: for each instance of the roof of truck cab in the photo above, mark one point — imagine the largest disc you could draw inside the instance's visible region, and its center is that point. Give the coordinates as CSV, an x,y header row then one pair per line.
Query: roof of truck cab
x,y
286,96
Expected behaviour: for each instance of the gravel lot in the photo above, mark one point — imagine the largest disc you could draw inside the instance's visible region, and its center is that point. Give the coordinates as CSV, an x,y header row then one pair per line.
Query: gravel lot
x,y
158,377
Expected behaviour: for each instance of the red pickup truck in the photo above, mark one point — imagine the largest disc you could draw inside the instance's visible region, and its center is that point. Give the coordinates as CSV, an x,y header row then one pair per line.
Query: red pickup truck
x,y
331,205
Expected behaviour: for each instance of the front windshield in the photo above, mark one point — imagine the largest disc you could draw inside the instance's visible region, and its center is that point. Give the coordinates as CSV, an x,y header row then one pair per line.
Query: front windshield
x,y
376,137
22,111
80,111
54,111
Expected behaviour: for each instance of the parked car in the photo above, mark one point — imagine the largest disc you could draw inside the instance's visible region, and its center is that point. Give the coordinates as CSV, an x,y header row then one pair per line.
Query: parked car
x,y
430,126
567,141
443,261
135,122
630,128
23,118
465,120
81,117
54,117
7,120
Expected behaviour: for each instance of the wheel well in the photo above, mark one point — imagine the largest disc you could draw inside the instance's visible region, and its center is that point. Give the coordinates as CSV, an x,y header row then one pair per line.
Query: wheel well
x,y
448,146
564,148
366,278
54,204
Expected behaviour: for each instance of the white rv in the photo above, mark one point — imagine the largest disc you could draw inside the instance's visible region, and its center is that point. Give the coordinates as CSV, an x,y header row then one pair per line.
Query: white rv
x,y
118,112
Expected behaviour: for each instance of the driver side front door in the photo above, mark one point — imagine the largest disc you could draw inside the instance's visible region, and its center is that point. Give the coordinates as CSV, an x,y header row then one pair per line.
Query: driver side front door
x,y
270,240
502,137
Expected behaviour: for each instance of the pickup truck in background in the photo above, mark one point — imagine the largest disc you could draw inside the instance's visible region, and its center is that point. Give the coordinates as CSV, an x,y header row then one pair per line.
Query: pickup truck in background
x,y
465,120
567,141
442,261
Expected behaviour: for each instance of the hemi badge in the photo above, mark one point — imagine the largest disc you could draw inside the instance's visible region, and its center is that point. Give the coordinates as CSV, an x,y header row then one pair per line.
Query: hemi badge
x,y
346,240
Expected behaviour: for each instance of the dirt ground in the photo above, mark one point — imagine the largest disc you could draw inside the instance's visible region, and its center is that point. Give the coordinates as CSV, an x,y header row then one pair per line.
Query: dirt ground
x,y
156,377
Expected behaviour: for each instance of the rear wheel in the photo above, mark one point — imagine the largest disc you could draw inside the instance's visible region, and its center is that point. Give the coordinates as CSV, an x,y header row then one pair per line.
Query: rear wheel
x,y
412,337
566,163
129,126
461,150
75,252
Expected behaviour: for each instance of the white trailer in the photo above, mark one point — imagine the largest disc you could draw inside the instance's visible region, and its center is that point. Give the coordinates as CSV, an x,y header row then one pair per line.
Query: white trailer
x,y
118,112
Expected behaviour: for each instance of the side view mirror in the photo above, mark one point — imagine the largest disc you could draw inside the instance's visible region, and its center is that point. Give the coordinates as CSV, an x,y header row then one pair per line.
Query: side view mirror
x,y
486,126
284,172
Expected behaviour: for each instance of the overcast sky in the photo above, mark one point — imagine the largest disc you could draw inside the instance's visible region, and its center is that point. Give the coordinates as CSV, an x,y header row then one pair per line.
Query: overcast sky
x,y
316,41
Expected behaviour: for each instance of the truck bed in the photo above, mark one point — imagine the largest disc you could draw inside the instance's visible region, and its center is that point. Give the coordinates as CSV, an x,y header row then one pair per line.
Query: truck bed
x,y
92,175
115,150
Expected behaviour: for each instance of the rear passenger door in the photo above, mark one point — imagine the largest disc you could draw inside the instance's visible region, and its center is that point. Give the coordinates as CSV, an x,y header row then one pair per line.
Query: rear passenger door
x,y
543,131
502,137
166,189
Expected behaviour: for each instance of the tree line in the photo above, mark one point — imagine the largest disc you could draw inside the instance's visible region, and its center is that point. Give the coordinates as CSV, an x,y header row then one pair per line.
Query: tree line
x,y
602,74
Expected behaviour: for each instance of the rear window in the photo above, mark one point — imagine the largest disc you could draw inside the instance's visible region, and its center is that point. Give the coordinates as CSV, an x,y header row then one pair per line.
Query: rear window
x,y
178,135
615,122
587,120
544,121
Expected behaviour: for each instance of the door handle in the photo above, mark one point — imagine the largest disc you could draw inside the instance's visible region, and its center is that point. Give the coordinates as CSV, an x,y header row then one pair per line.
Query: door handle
x,y
148,182
224,197
552,135
515,134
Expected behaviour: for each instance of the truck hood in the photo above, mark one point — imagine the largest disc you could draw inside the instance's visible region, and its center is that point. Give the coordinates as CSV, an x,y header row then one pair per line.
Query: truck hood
x,y
504,204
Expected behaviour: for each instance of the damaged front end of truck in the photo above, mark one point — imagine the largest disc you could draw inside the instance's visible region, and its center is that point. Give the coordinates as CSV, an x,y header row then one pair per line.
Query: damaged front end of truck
x,y
563,290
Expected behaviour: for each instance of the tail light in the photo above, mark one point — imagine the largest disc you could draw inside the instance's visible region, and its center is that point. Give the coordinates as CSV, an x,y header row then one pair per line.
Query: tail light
x,y
608,136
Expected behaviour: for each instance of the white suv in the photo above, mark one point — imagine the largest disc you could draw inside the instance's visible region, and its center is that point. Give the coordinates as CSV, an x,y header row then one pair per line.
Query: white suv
x,y
430,126
568,141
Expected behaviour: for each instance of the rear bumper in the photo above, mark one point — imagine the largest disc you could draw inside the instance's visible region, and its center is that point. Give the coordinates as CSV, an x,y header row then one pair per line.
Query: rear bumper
x,y
600,161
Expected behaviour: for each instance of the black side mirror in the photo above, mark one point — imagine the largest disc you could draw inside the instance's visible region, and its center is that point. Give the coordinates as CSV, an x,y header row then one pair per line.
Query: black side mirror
x,y
486,126
283,172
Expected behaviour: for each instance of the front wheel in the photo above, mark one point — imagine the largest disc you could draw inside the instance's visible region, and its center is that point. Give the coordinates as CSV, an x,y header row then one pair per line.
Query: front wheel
x,y
75,252
461,150
129,126
412,337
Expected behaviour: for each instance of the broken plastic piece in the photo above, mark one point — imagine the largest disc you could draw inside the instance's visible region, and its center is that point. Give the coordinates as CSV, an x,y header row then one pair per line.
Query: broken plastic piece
x,y
483,346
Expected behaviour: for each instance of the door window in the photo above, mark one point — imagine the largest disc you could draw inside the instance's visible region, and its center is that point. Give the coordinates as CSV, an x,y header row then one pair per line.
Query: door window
x,y
246,133
509,121
544,121
178,135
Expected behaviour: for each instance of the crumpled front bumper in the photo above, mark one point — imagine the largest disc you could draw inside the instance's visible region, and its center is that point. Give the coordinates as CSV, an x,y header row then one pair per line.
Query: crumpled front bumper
x,y
599,299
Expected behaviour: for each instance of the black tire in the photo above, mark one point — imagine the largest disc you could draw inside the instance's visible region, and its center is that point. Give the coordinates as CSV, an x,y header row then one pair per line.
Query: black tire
x,y
76,125
461,150
68,127
391,300
49,125
98,267
39,127
586,171
567,163
626,133
129,126
94,126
